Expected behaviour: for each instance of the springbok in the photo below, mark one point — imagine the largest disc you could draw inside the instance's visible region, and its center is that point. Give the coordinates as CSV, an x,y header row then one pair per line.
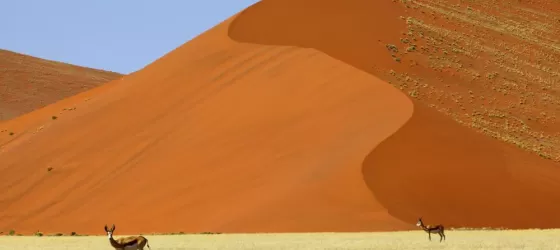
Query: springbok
x,y
437,229
125,243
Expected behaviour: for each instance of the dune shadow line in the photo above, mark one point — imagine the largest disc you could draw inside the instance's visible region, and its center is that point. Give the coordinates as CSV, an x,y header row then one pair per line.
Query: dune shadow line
x,y
353,32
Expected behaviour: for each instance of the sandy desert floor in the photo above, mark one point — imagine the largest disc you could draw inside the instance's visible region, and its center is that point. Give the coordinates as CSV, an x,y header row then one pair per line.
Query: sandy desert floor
x,y
514,239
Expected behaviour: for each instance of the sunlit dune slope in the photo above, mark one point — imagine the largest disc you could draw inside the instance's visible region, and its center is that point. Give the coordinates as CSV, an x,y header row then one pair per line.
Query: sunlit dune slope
x,y
215,136
28,83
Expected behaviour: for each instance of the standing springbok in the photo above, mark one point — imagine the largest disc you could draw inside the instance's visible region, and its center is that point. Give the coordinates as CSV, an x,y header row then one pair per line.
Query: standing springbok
x,y
437,229
124,243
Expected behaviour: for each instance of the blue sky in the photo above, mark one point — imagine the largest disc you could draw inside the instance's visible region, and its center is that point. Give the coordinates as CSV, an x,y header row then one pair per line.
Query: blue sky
x,y
116,35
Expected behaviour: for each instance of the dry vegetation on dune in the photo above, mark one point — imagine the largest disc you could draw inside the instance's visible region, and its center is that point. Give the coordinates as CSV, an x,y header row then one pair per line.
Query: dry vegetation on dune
x,y
490,65
28,83
463,102
417,240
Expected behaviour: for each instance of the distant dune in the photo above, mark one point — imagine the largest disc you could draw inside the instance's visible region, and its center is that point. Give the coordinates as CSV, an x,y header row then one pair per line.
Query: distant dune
x,y
282,119
28,83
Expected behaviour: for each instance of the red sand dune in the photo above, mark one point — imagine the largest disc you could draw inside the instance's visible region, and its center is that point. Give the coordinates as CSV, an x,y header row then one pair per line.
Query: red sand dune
x,y
28,83
269,122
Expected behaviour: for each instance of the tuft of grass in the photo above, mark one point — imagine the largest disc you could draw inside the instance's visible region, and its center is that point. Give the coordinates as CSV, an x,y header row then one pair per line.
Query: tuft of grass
x,y
178,233
54,117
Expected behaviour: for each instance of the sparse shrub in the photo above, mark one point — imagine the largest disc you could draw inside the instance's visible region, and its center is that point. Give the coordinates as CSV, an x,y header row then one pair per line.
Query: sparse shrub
x,y
411,48
492,75
12,232
392,47
54,117
11,133
409,20
38,234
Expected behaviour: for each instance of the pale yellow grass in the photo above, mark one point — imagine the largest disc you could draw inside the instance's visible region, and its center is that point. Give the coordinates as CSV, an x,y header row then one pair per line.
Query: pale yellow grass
x,y
417,240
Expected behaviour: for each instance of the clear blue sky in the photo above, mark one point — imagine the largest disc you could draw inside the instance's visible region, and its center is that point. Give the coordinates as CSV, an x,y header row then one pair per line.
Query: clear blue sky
x,y
116,35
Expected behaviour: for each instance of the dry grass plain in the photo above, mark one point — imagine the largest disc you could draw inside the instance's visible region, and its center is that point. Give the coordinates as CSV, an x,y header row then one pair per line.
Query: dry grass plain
x,y
458,239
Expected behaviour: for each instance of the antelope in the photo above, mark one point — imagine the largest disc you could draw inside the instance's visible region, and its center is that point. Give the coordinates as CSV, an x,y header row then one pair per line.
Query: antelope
x,y
126,243
437,229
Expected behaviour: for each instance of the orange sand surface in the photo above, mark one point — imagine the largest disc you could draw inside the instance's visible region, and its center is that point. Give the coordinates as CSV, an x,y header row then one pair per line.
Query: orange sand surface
x,y
28,83
272,121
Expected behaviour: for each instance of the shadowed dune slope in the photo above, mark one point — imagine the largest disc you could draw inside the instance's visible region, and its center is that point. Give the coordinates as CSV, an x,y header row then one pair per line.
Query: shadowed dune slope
x,y
354,31
28,83
449,174
434,166
214,136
